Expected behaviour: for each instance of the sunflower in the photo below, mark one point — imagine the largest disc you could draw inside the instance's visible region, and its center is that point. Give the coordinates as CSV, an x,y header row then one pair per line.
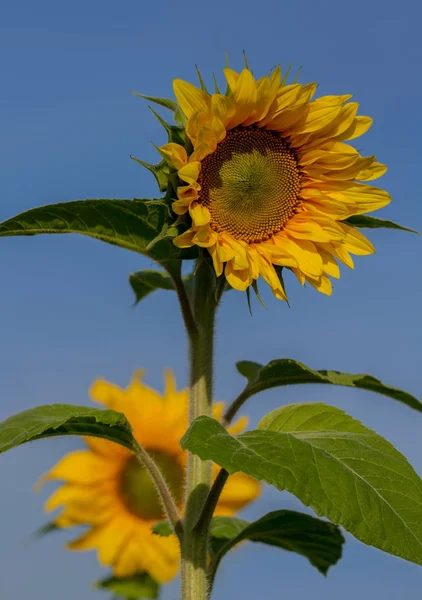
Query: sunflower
x,y
107,490
268,180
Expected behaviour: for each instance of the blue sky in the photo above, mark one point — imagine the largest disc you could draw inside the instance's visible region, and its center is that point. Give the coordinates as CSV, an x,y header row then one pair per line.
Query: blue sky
x,y
68,126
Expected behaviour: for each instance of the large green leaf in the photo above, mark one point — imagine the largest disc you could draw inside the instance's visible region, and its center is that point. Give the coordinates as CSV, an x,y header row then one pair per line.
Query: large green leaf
x,y
64,419
332,463
287,372
366,222
320,542
147,281
130,224
135,587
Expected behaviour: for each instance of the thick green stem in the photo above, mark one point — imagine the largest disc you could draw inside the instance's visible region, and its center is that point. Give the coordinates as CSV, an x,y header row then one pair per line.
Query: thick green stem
x,y
195,543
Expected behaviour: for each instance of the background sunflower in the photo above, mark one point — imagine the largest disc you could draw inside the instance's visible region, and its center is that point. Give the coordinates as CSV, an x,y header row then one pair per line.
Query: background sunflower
x,y
107,490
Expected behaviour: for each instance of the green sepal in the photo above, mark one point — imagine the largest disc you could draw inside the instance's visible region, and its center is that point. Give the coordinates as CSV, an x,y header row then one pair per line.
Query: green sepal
x,y
201,81
368,222
165,102
176,134
257,294
136,587
46,529
160,171
286,75
216,88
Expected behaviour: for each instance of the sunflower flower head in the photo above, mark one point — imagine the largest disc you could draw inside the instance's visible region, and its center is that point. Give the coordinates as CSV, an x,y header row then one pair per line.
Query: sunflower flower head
x,y
106,489
267,179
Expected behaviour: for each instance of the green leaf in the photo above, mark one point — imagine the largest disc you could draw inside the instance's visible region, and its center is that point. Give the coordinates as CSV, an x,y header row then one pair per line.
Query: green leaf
x,y
64,419
147,281
160,171
130,224
165,102
137,586
320,542
162,528
366,222
45,529
175,134
332,463
286,371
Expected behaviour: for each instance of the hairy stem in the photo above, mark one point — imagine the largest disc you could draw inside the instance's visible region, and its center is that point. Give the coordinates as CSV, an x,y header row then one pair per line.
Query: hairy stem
x,y
195,542
164,493
185,304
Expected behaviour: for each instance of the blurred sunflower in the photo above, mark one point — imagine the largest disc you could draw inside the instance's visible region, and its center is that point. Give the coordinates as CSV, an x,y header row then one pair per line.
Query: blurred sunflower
x,y
109,491
268,180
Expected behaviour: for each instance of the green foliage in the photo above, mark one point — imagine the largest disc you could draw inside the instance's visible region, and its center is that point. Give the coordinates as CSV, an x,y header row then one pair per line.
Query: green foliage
x,y
332,463
147,281
320,542
131,224
286,371
64,419
160,171
366,222
165,102
45,529
162,528
133,588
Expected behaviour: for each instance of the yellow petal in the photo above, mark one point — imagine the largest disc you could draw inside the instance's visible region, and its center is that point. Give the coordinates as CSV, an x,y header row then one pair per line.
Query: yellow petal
x,y
278,255
323,284
342,254
329,264
355,242
231,78
270,276
305,253
238,279
200,214
244,98
317,118
185,240
83,466
373,172
303,228
174,154
238,426
190,172
265,97
221,107
216,259
181,207
190,98
205,237
365,198
360,125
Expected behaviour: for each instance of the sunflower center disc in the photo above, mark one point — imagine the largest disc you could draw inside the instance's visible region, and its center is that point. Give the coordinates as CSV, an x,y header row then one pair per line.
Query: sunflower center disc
x,y
250,184
138,491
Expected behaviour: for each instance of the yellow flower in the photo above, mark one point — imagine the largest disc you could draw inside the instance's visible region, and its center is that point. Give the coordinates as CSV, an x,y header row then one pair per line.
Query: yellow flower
x,y
106,488
271,180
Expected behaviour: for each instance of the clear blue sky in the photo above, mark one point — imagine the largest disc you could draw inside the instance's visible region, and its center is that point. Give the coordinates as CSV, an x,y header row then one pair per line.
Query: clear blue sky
x,y
68,126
